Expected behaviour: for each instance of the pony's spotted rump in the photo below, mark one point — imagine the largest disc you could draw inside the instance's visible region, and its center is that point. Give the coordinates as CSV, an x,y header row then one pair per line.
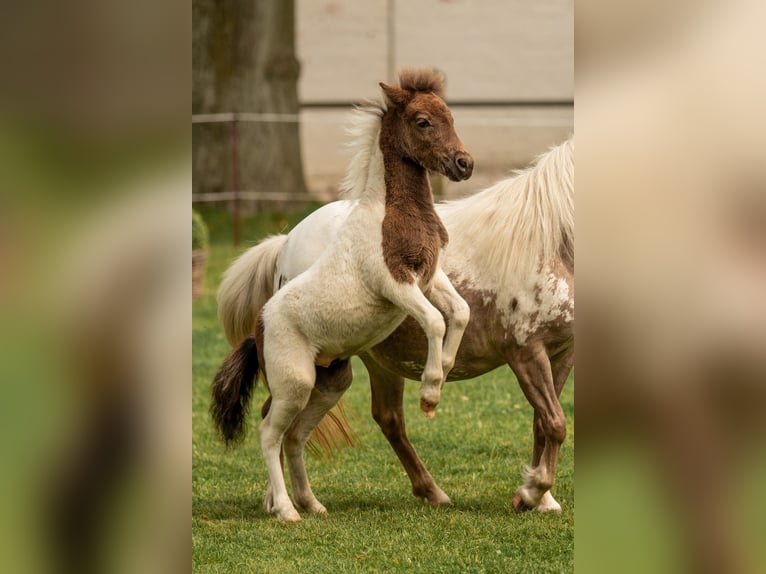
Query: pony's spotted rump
x,y
383,262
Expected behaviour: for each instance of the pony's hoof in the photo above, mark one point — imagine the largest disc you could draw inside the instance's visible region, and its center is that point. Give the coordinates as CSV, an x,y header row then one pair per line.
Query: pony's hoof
x,y
519,505
434,496
548,504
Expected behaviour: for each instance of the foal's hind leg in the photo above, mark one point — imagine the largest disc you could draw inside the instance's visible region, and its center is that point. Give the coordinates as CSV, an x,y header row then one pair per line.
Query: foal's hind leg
x,y
331,383
291,380
444,296
533,370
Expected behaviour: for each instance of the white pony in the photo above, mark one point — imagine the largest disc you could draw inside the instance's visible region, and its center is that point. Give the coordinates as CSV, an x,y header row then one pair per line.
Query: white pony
x,y
374,273
511,256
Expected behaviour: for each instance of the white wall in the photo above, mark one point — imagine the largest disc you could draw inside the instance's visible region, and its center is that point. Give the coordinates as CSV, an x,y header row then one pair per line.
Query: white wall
x,y
490,50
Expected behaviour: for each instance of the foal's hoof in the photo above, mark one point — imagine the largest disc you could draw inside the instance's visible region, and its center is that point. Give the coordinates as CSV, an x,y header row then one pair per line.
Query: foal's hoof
x,y
289,516
429,409
286,515
314,507
518,504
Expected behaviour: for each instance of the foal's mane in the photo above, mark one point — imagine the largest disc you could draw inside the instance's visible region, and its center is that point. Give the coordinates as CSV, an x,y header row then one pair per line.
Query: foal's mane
x,y
422,80
364,126
520,223
362,130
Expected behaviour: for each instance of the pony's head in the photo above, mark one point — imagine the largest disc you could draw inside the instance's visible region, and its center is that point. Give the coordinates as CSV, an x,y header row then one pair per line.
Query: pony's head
x,y
421,125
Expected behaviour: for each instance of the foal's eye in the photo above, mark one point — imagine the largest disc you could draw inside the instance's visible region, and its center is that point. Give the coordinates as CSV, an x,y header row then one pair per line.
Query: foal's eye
x,y
423,123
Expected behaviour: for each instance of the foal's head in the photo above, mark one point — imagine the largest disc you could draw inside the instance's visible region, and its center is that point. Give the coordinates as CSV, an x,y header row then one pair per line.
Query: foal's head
x,y
421,125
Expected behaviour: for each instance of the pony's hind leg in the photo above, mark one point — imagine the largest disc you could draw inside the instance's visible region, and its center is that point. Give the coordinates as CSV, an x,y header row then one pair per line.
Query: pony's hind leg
x,y
445,298
533,370
561,366
291,379
331,383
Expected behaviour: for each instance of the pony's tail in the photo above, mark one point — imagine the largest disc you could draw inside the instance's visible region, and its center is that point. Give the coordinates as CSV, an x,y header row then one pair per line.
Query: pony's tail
x,y
232,387
246,286
333,433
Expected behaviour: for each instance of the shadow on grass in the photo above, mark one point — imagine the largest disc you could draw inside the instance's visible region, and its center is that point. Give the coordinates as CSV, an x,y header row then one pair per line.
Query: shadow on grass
x,y
251,508
234,508
239,508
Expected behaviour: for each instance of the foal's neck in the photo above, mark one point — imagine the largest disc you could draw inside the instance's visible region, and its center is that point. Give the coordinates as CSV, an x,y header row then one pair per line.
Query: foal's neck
x,y
406,181
412,232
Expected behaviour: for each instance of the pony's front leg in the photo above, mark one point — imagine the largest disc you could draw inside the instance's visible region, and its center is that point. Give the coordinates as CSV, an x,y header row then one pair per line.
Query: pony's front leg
x,y
411,299
444,296
387,410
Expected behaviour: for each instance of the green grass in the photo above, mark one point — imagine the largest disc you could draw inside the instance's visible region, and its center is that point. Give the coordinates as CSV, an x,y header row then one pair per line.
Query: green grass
x,y
475,448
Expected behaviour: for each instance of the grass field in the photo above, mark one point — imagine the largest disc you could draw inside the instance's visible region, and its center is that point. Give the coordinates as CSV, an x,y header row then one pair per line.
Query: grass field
x,y
475,448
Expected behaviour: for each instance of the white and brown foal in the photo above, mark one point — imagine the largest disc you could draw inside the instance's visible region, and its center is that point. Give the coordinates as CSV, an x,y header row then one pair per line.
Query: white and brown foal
x,y
381,266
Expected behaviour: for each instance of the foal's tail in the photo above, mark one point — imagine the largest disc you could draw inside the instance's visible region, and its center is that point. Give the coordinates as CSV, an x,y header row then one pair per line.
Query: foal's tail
x,y
246,286
232,387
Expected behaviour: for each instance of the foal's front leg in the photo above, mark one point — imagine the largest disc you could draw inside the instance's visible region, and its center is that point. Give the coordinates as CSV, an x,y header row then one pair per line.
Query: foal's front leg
x,y
444,296
411,299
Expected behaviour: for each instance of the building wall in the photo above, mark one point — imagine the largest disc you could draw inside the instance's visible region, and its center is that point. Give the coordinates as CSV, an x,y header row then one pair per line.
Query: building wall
x,y
512,59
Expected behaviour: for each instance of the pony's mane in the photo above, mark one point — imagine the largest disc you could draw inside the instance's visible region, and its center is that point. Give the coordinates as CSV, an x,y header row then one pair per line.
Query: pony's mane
x,y
521,223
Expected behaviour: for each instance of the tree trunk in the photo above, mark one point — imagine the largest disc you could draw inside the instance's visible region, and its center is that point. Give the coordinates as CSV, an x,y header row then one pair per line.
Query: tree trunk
x,y
244,61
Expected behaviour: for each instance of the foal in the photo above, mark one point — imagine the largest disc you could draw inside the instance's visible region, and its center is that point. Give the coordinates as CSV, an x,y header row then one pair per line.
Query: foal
x,y
382,265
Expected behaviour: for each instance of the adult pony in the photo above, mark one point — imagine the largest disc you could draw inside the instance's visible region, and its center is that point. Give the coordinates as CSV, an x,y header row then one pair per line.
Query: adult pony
x,y
511,256
372,275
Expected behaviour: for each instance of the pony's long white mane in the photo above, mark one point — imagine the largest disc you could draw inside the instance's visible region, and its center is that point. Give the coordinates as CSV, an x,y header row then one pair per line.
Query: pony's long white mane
x,y
362,130
514,228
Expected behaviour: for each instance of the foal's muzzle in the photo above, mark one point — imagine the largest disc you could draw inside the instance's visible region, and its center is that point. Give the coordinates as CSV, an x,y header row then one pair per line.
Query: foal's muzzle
x,y
460,167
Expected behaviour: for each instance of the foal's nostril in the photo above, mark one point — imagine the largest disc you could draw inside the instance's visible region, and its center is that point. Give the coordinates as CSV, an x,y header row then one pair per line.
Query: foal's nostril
x,y
464,164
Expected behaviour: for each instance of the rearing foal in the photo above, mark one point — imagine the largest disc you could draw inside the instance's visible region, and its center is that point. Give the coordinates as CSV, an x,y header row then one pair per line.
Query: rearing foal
x,y
382,266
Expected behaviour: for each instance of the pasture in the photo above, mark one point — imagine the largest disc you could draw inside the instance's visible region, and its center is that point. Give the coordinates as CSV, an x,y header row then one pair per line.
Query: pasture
x,y
476,448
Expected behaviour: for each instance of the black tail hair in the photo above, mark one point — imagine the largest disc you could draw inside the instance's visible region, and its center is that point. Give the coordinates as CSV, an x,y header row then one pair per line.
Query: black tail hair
x,y
232,387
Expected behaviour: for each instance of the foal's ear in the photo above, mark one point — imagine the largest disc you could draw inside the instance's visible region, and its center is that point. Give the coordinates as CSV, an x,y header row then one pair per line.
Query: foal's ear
x,y
396,96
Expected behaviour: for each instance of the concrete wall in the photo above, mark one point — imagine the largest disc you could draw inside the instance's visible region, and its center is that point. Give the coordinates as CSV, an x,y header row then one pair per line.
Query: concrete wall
x,y
492,51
